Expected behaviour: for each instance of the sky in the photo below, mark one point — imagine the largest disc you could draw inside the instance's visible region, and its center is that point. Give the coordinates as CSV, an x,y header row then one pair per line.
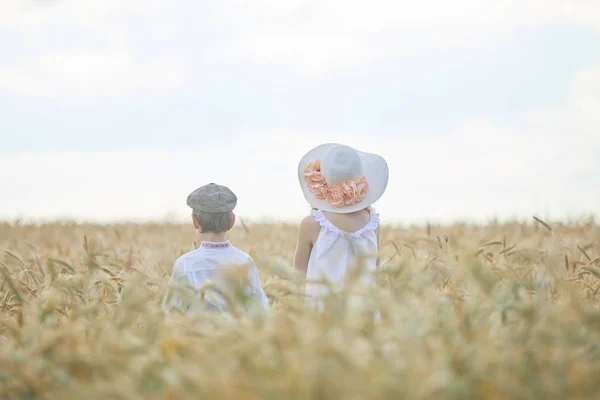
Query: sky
x,y
113,110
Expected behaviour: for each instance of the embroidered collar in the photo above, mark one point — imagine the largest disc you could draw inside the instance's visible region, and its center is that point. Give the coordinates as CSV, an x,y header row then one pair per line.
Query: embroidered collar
x,y
215,245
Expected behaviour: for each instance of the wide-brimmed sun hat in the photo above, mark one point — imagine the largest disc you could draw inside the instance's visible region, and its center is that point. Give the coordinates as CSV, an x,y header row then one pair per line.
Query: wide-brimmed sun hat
x,y
340,179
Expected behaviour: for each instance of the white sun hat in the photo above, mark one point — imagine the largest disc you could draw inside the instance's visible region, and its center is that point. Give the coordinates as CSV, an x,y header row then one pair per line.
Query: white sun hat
x,y
339,165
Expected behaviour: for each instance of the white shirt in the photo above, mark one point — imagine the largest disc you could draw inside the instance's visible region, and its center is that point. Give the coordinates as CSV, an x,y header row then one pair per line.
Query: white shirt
x,y
335,252
207,266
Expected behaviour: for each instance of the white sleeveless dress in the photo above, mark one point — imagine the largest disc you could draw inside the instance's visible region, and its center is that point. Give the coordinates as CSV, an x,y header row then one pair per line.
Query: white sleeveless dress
x,y
335,253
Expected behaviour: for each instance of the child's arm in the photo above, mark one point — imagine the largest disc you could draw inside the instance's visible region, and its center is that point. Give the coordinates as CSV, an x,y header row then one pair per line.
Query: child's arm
x,y
378,248
309,230
256,290
172,296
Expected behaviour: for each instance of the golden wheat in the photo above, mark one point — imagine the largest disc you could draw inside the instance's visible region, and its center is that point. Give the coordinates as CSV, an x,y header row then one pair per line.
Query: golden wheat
x,y
496,311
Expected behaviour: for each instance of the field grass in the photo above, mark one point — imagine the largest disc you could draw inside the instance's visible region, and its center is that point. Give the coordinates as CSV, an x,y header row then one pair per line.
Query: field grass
x,y
499,311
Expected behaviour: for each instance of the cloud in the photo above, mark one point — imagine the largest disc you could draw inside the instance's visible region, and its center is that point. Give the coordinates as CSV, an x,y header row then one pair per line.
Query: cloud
x,y
481,169
310,53
341,15
324,35
91,73
92,54
37,13
15,80
534,160
585,96
309,37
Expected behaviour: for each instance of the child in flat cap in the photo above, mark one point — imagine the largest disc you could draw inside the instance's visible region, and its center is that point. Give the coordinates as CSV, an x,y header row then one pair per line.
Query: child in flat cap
x,y
216,265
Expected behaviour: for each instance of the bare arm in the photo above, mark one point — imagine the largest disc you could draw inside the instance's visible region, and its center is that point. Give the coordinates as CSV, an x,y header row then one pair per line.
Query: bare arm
x,y
256,290
378,247
369,210
307,234
173,297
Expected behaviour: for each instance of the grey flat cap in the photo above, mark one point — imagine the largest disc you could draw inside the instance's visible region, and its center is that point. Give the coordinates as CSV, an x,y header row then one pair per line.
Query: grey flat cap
x,y
212,198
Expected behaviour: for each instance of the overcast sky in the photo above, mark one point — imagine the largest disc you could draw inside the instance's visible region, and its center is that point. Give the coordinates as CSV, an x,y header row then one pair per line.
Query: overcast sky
x,y
118,109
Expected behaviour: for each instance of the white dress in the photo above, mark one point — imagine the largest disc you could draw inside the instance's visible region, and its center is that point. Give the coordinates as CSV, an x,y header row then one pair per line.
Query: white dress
x,y
335,253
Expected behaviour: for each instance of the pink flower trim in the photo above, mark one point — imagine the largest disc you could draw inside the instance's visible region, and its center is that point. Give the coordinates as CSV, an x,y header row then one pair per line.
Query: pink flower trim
x,y
341,194
211,245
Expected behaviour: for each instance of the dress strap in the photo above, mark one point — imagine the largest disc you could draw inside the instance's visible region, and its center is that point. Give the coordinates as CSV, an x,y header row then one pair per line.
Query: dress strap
x,y
325,223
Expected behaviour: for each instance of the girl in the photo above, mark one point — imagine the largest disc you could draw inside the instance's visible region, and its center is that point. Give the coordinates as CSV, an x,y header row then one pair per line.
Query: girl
x,y
341,184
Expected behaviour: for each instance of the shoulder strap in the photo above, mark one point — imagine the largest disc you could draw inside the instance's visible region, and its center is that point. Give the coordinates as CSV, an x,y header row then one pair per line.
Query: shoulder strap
x,y
325,223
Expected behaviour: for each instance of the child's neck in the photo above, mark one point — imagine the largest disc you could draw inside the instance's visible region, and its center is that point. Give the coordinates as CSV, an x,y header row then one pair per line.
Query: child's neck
x,y
212,237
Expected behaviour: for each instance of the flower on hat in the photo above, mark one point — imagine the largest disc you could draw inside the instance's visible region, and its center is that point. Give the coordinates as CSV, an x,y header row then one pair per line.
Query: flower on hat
x,y
338,195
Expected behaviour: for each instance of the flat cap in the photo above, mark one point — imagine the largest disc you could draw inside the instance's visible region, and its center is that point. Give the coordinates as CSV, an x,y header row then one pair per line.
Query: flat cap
x,y
212,198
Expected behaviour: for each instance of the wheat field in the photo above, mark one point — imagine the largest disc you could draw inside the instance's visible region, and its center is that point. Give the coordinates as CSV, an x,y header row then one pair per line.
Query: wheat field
x,y
501,311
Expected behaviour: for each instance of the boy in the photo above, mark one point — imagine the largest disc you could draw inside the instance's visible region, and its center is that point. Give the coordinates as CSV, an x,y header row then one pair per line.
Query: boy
x,y
216,261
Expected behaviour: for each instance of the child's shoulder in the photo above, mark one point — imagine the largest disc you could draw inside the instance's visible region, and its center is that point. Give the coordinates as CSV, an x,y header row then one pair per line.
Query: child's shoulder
x,y
240,257
182,259
311,223
312,219
240,253
189,254
231,255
